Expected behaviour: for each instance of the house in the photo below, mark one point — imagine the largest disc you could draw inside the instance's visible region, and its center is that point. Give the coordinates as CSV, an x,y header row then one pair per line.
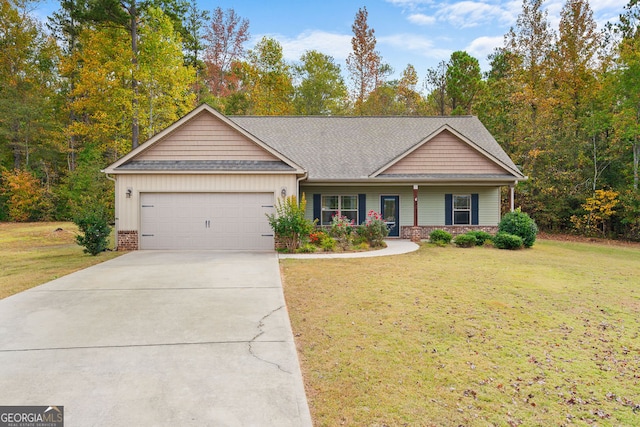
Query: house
x,y
207,181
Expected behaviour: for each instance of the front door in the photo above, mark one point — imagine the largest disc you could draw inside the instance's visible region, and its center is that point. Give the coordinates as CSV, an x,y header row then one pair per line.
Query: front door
x,y
390,210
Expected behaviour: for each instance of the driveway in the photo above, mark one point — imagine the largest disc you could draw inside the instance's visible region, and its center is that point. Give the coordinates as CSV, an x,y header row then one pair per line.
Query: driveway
x,y
157,338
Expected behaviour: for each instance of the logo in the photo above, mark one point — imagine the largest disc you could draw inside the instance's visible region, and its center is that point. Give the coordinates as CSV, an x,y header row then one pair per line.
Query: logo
x,y
31,416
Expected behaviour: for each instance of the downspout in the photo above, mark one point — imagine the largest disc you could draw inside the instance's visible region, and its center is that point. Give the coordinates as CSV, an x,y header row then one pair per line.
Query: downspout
x,y
306,174
115,240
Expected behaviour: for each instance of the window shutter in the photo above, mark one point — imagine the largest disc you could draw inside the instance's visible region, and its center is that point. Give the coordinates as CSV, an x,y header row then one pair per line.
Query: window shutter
x,y
317,207
362,208
448,209
474,209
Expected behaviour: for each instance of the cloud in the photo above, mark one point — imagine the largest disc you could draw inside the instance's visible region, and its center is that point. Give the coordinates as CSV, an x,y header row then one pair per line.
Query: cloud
x,y
415,44
421,19
336,45
483,46
467,14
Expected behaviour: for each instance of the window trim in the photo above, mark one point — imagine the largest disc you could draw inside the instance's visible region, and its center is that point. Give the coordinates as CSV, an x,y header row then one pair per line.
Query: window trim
x,y
339,196
454,210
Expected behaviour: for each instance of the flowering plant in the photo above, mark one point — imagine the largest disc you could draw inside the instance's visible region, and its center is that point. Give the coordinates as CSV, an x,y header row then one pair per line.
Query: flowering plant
x,y
341,229
374,229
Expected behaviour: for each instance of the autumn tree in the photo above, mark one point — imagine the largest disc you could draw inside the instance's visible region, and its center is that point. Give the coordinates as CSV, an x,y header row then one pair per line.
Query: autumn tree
x,y
126,14
195,23
224,45
321,89
410,100
364,63
267,80
28,84
436,84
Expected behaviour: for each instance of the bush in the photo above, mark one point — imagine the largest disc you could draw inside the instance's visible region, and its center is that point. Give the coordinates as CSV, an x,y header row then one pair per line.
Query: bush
x,y
465,241
373,230
341,230
289,223
504,240
307,248
440,237
481,236
520,224
327,243
94,225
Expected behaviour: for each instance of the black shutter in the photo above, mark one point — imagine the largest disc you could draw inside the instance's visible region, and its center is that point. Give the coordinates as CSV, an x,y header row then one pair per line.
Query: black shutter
x,y
448,209
474,209
362,208
317,207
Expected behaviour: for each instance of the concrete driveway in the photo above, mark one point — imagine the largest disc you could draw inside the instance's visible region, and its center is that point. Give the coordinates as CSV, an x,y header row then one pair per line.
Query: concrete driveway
x,y
157,338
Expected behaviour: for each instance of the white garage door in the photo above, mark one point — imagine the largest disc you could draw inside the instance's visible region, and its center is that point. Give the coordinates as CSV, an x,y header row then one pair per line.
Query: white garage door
x,y
222,221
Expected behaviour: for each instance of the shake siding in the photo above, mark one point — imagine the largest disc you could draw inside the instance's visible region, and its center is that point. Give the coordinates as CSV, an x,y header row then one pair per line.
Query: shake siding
x,y
128,214
205,138
430,201
445,153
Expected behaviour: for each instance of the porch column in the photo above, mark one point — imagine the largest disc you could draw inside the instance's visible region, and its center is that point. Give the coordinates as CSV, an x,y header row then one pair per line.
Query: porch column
x,y
511,198
415,205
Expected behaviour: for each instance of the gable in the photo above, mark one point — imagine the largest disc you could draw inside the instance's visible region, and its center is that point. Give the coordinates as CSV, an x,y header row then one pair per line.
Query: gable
x,y
204,138
445,153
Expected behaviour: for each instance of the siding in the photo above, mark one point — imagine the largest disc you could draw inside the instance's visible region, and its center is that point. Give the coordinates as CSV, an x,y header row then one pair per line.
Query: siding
x,y
445,153
430,201
128,209
205,137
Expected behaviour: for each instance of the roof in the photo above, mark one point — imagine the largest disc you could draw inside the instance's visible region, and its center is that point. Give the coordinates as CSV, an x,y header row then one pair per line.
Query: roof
x,y
205,165
355,148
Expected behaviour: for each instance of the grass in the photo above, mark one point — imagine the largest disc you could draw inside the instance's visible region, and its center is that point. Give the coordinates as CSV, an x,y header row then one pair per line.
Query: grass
x,y
471,337
34,253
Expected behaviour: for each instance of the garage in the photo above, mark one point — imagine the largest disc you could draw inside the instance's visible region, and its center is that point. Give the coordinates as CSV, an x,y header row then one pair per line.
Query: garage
x,y
206,221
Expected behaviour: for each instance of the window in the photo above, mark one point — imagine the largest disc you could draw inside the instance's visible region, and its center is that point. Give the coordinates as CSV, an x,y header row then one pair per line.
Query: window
x,y
462,209
346,205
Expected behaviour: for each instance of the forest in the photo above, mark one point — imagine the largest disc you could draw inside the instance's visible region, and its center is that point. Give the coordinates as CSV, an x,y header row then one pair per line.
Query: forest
x,y
100,77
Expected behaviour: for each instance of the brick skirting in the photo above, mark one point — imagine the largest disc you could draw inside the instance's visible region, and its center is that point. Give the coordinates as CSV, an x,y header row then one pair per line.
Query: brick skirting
x,y
127,240
422,232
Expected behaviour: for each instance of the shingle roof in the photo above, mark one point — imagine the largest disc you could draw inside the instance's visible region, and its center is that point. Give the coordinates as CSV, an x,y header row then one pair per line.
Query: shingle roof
x,y
205,165
356,147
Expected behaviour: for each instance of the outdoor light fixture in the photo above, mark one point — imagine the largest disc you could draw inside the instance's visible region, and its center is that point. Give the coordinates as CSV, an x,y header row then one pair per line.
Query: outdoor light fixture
x,y
129,191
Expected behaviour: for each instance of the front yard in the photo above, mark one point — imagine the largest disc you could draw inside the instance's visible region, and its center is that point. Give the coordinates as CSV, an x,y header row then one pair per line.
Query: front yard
x,y
471,337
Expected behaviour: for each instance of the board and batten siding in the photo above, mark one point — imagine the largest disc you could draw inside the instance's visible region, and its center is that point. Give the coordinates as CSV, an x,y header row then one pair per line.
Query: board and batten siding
x,y
128,209
430,201
444,153
205,137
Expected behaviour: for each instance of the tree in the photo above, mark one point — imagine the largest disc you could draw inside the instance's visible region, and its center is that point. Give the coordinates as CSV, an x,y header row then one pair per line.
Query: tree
x,y
28,85
436,83
127,14
195,22
268,80
321,90
364,63
462,81
225,39
410,100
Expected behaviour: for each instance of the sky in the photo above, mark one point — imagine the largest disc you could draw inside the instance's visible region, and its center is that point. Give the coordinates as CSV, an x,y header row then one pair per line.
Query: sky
x,y
417,32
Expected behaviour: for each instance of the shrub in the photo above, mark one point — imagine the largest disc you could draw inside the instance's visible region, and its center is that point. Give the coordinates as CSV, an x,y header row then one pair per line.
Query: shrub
x,y
520,224
373,230
465,241
289,223
328,243
95,228
307,248
504,240
481,236
440,237
341,229
316,237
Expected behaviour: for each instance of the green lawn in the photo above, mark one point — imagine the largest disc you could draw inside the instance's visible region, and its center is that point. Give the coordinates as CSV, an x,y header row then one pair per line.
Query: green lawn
x,y
475,337
34,253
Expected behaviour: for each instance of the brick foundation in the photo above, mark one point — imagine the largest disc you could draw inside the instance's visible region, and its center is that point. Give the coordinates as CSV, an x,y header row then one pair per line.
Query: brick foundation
x,y
127,240
422,232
